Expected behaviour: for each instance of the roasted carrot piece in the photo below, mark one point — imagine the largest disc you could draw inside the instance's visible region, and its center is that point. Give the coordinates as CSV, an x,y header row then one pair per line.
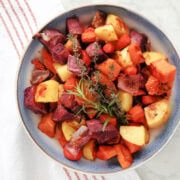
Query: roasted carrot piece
x,y
124,156
89,96
148,99
131,70
140,93
91,112
60,136
163,70
136,113
104,117
37,64
106,152
110,68
123,41
136,53
108,48
48,61
133,147
86,58
70,156
88,36
155,87
152,85
47,125
70,84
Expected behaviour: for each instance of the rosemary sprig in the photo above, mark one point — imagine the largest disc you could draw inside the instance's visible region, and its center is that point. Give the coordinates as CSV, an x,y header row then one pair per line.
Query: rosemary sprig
x,y
101,103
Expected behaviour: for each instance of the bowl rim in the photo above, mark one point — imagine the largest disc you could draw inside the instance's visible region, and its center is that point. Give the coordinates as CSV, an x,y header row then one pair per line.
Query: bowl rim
x,y
62,164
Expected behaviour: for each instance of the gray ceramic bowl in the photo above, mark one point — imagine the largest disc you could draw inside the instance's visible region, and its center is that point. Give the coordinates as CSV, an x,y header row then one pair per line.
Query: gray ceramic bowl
x,y
159,137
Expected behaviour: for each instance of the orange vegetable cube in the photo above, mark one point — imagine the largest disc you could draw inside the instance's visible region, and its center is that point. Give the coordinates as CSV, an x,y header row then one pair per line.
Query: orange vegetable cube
x,y
70,84
106,152
91,113
140,93
71,156
149,99
132,147
37,64
86,58
124,156
123,41
163,70
111,68
136,113
136,53
152,85
47,125
104,117
108,48
48,61
131,70
88,36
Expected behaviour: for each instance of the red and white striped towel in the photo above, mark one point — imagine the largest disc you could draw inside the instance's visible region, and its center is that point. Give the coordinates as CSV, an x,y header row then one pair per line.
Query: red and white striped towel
x,y
19,158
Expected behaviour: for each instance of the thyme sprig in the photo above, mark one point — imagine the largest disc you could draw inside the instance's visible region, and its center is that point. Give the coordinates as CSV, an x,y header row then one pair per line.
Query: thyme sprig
x,y
101,103
76,45
95,58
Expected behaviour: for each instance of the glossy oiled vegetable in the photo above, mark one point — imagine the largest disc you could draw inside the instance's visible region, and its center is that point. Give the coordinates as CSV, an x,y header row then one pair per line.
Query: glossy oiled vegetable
x,y
99,88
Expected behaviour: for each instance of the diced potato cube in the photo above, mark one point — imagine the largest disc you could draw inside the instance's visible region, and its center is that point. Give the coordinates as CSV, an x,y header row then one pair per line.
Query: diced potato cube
x,y
123,58
67,130
62,71
153,56
126,100
119,26
89,150
69,45
134,134
47,91
69,127
106,33
157,113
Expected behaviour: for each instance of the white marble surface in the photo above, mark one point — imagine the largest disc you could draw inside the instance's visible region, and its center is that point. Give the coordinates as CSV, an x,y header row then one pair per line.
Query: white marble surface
x,y
166,15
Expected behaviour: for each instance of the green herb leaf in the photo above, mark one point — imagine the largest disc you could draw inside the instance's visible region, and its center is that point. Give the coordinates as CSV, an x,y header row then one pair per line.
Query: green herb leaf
x,y
106,123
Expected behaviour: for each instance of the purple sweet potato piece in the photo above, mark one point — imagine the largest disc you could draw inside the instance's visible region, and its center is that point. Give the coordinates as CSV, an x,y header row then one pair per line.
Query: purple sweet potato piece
x,y
96,128
62,114
51,37
114,140
143,81
129,83
68,100
78,140
98,19
76,108
73,26
38,76
59,53
94,49
75,65
141,39
29,102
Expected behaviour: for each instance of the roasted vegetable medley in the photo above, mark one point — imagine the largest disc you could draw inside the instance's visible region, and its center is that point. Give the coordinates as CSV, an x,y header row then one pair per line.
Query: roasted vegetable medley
x,y
99,88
